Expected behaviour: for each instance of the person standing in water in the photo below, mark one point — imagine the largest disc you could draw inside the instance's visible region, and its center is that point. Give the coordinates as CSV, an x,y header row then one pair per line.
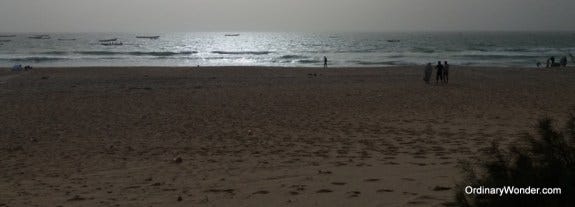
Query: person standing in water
x,y
439,75
446,72
324,62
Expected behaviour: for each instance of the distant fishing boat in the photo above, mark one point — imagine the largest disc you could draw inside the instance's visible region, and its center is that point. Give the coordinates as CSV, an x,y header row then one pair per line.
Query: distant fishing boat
x,y
109,40
148,37
40,37
63,39
393,40
232,35
110,43
7,35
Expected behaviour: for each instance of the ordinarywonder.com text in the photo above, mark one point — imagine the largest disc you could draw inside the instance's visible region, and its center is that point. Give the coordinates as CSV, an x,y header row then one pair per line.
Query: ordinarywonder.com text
x,y
511,190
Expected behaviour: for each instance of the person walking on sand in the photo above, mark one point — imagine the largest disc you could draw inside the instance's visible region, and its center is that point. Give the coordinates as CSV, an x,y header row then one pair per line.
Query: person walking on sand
x,y
427,73
563,61
439,75
446,72
324,62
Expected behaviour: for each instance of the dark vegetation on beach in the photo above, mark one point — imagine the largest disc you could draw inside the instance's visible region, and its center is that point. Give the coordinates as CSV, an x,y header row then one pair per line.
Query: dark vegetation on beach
x,y
544,161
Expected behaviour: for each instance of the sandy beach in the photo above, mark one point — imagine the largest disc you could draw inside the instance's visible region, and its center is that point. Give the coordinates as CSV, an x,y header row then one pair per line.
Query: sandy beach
x,y
257,136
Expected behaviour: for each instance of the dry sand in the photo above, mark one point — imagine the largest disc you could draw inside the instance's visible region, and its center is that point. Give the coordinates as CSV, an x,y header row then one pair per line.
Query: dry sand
x,y
258,136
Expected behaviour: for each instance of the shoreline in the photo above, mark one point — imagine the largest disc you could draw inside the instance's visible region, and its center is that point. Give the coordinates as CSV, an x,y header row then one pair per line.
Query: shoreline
x,y
295,67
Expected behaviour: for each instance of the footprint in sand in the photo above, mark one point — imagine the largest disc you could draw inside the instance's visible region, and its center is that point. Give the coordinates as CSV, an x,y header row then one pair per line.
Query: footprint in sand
x,y
324,172
338,183
353,194
363,165
372,180
389,158
298,188
417,202
337,164
324,191
262,192
441,188
418,164
445,157
384,190
77,198
231,191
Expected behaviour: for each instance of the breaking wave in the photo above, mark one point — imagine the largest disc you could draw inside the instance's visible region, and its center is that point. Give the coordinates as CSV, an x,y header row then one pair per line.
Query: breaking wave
x,y
242,52
36,59
160,54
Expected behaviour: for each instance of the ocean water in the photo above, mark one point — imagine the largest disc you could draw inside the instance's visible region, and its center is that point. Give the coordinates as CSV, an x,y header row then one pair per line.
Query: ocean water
x,y
288,49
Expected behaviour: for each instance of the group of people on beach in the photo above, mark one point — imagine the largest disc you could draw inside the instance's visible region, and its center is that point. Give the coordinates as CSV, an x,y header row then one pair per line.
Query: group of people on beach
x,y
551,62
18,68
442,72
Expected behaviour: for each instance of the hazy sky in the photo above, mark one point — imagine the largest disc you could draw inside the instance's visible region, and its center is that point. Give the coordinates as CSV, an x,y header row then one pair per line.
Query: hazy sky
x,y
283,15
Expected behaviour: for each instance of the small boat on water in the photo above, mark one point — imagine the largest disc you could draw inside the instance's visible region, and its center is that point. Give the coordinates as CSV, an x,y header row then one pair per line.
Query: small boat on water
x,y
393,40
232,35
63,39
40,37
109,40
7,35
112,44
148,37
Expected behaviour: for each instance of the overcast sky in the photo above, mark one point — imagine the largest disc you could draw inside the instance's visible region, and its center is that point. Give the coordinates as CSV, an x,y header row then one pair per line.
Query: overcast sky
x,y
283,15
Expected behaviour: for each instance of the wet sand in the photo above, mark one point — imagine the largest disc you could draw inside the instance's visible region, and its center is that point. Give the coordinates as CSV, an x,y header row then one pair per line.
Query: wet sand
x,y
256,136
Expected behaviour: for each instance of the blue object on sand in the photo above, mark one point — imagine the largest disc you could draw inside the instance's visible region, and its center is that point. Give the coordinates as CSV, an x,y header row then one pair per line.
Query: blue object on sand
x,y
17,67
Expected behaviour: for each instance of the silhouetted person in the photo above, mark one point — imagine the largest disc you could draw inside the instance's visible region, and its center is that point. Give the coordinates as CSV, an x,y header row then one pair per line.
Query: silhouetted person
x,y
439,75
563,61
554,64
427,73
324,62
446,72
